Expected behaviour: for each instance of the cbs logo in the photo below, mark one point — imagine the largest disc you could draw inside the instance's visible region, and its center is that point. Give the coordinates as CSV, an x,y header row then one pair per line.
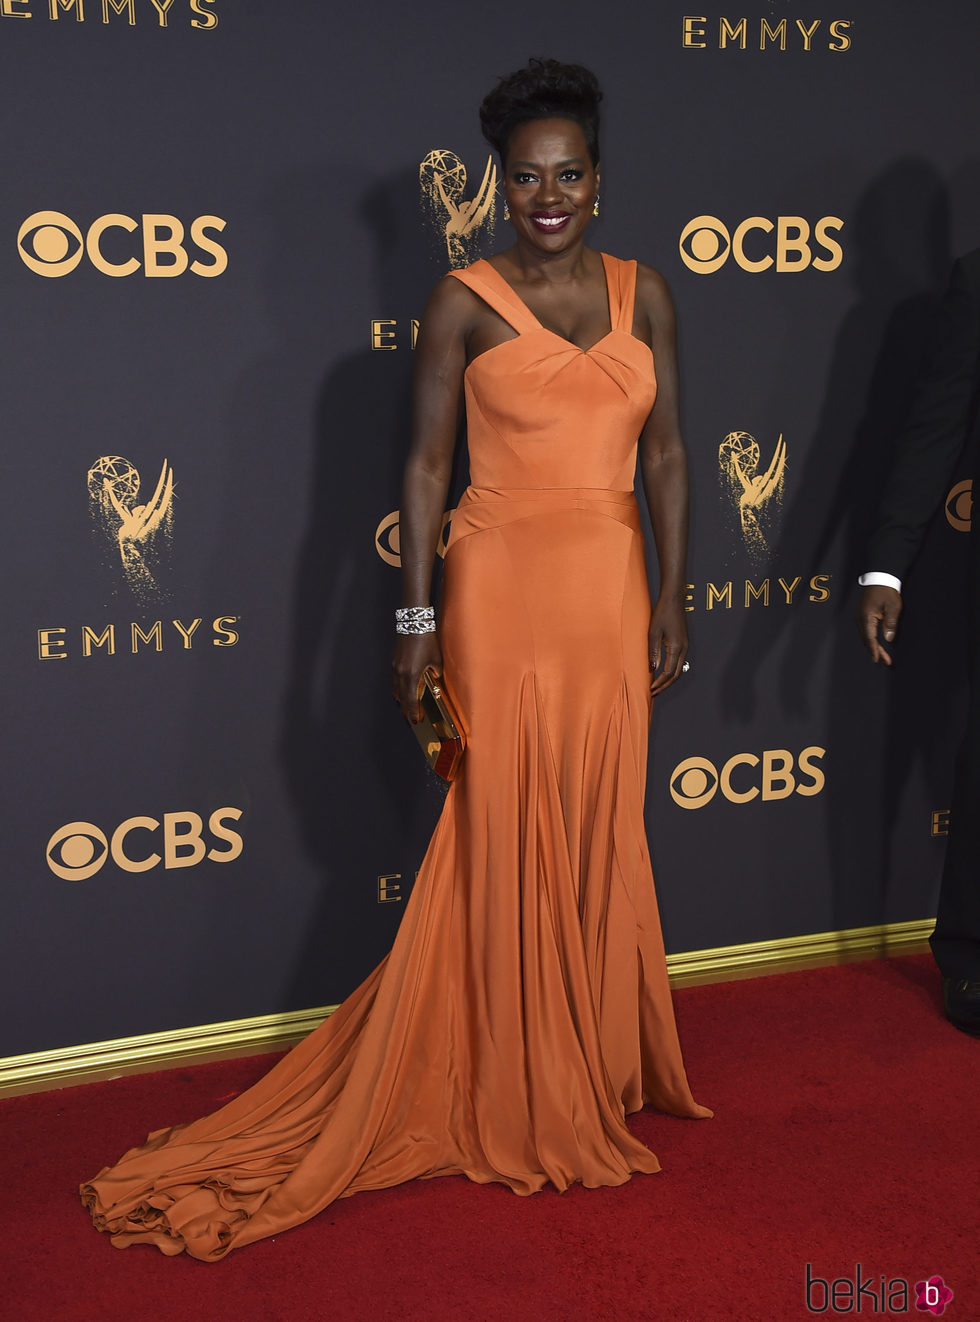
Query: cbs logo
x,y
387,541
959,506
78,850
706,244
695,781
51,244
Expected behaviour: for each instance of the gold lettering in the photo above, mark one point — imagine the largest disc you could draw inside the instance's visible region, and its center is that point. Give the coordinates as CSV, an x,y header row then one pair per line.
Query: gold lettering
x,y
791,237
728,33
730,793
940,822
154,636
7,10
759,593
171,244
96,230
415,331
387,894
199,228
119,7
778,33
818,592
186,633
222,625
207,19
738,238
234,839
78,5
48,645
820,233
689,596
106,639
789,588
722,595
778,781
161,6
176,844
52,645
691,31
805,763
807,31
381,336
839,35
120,857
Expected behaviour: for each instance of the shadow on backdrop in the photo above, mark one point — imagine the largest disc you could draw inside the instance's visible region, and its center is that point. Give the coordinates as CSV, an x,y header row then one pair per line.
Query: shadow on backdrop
x,y
365,802
882,729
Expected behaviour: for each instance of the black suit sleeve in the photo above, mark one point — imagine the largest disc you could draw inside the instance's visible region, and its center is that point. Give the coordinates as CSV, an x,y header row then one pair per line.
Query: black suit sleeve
x,y
933,438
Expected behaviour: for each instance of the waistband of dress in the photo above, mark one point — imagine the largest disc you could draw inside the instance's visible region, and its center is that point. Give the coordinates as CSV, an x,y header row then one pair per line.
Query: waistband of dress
x,y
482,509
547,495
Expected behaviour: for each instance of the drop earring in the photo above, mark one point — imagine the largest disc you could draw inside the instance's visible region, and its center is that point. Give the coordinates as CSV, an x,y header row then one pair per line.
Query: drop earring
x,y
595,207
506,212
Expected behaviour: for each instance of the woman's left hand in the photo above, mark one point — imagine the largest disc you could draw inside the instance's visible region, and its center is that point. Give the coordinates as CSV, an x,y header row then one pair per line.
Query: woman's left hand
x,y
668,644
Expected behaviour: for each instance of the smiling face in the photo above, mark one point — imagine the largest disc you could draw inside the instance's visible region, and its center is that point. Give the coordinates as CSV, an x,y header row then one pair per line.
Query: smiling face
x,y
550,183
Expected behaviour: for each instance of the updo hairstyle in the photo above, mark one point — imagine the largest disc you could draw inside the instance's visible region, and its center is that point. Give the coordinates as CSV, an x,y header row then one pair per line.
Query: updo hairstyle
x,y
545,89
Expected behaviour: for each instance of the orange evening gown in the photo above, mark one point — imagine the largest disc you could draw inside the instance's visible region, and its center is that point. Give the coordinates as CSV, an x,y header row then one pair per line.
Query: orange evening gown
x,y
524,1009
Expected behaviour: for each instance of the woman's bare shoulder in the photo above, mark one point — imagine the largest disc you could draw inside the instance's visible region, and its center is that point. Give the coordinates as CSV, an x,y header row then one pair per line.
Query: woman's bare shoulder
x,y
452,306
450,313
652,288
653,297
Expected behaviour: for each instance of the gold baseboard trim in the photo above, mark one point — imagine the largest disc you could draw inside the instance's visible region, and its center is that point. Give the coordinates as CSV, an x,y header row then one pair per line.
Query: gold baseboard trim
x,y
817,950
67,1066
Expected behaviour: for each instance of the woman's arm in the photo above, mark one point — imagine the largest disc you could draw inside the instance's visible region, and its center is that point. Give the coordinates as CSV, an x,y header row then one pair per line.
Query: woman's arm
x,y
440,359
663,467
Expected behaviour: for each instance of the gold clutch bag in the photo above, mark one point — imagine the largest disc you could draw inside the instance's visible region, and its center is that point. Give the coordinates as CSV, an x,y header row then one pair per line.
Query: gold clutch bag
x,y
439,732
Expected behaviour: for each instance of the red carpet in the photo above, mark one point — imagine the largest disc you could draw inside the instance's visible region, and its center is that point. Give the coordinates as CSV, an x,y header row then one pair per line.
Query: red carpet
x,y
845,1133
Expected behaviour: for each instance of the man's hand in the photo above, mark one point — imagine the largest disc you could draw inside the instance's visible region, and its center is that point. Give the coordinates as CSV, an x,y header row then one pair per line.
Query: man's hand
x,y
878,606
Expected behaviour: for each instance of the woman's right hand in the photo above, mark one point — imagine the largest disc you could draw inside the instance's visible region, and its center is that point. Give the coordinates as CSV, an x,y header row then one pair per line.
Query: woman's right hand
x,y
414,652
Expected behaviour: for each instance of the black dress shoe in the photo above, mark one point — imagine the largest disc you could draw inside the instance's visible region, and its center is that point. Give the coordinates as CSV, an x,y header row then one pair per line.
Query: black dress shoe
x,y
961,1001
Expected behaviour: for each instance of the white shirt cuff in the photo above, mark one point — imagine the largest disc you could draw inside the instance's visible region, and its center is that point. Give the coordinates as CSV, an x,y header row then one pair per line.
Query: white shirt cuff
x,y
875,579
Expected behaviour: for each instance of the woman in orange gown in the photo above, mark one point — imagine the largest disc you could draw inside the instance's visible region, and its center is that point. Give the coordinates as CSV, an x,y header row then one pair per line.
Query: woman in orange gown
x,y
524,1009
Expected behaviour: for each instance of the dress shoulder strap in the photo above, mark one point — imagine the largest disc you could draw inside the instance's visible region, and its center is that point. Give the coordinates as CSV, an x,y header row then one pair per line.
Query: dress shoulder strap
x,y
487,283
621,282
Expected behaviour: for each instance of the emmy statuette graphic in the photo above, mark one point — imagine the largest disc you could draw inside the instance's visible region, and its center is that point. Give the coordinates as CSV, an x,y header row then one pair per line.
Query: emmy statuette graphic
x,y
459,220
757,496
113,486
